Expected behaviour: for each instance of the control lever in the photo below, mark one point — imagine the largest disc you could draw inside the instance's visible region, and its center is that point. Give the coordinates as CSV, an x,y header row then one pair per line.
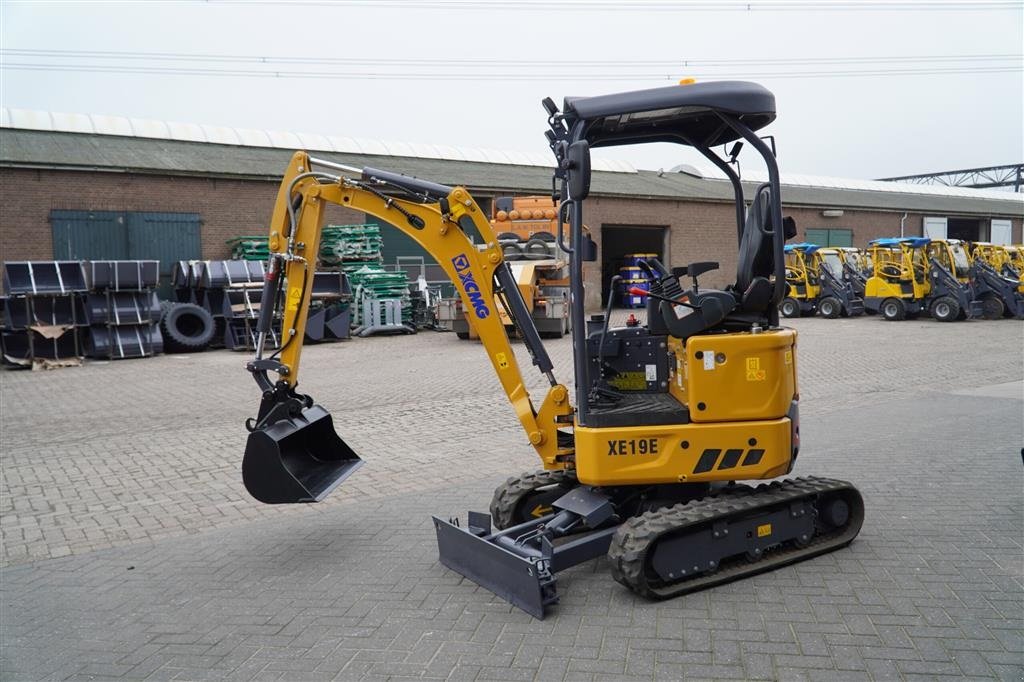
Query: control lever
x,y
637,291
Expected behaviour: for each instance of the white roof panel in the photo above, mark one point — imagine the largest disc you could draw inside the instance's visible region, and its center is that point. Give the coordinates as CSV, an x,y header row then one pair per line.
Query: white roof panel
x,y
31,120
396,148
192,132
343,144
72,123
112,125
284,139
425,151
374,147
220,134
144,127
312,141
253,138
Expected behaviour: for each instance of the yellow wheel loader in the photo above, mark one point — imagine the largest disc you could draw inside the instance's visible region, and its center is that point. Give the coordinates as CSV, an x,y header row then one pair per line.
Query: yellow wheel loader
x,y
652,457
914,275
995,282
817,283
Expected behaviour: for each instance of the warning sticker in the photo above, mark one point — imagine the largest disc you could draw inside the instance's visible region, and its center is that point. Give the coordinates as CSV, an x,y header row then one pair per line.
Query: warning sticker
x,y
709,359
502,360
764,531
294,294
754,371
788,357
652,372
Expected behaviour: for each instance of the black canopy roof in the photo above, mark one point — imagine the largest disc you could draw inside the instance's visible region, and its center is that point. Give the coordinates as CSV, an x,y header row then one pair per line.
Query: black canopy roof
x,y
686,114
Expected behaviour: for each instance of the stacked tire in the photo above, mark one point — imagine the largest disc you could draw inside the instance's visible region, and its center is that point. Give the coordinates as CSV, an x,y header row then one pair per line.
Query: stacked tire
x,y
186,327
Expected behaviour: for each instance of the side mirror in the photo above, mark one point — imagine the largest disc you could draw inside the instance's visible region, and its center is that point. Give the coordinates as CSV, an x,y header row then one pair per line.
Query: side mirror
x,y
578,158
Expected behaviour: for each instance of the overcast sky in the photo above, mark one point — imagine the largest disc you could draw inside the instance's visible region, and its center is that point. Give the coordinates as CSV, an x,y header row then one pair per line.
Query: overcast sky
x,y
472,73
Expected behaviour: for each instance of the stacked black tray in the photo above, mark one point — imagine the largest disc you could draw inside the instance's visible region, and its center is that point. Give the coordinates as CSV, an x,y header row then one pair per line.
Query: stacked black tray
x,y
123,309
42,312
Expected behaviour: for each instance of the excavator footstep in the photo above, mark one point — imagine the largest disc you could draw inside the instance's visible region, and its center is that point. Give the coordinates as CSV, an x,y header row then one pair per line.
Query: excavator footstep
x,y
298,459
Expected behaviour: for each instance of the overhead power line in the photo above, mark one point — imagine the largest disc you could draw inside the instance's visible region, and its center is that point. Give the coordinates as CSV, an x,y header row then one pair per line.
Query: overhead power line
x,y
510,76
131,56
655,5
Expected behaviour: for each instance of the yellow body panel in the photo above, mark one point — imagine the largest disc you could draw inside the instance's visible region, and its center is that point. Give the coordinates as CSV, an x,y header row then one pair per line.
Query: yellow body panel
x,y
878,287
684,453
739,377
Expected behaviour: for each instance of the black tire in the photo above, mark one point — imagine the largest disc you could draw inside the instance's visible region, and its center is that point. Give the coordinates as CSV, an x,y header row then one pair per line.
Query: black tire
x,y
992,307
790,307
537,249
945,309
512,250
526,496
543,236
830,307
893,309
462,335
187,328
509,237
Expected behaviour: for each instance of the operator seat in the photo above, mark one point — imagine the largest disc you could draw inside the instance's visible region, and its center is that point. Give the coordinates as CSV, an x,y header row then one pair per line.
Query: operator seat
x,y
755,263
739,305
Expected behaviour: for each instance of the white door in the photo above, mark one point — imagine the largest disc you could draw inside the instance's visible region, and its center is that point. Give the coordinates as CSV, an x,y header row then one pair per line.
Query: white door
x,y
935,228
1000,232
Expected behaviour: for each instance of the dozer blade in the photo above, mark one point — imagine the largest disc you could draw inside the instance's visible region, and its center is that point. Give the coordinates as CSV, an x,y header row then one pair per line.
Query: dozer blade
x,y
525,582
297,459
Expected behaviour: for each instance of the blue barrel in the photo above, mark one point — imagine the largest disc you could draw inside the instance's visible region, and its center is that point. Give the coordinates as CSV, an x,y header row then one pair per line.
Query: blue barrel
x,y
632,272
628,300
631,260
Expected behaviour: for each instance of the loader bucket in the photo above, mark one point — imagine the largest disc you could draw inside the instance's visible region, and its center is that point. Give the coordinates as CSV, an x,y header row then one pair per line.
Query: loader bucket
x,y
297,459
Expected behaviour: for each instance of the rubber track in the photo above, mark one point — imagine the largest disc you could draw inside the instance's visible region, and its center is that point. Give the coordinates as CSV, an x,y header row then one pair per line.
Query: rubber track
x,y
508,495
635,538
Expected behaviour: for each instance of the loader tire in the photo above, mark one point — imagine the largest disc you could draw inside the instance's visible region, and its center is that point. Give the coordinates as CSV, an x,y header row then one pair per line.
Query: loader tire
x,y
893,309
992,307
789,307
830,307
186,328
528,495
537,249
945,309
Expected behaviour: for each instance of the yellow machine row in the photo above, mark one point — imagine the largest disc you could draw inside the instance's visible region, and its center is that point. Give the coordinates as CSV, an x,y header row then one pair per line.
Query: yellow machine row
x,y
818,282
641,454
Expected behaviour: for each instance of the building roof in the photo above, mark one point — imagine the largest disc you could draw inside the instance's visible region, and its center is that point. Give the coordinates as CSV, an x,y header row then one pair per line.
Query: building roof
x,y
126,145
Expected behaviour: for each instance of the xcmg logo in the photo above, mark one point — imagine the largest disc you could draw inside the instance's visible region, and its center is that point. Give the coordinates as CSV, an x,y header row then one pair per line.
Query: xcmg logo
x,y
476,298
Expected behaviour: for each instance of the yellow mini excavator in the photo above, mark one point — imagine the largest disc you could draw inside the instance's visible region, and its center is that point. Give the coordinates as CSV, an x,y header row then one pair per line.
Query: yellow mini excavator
x,y
647,472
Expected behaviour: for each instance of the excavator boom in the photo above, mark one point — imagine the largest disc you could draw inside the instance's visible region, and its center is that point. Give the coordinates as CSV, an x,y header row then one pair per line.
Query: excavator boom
x,y
293,453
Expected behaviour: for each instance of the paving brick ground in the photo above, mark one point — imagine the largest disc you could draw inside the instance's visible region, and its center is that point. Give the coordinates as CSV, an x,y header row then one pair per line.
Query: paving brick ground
x,y
131,550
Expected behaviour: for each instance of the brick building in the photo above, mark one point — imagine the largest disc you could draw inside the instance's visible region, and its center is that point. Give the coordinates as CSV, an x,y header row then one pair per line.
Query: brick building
x,y
97,187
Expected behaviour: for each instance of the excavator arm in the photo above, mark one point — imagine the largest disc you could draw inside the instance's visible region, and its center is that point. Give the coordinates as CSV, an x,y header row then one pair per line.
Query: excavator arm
x,y
280,451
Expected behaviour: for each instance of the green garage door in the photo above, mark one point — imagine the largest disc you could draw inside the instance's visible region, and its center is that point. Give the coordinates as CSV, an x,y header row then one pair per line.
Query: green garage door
x,y
127,235
833,236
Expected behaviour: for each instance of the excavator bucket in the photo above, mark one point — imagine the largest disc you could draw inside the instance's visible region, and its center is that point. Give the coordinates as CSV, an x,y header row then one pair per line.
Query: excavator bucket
x,y
297,459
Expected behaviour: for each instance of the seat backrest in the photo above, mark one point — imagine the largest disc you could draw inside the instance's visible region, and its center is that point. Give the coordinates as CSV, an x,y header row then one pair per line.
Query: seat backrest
x,y
755,255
